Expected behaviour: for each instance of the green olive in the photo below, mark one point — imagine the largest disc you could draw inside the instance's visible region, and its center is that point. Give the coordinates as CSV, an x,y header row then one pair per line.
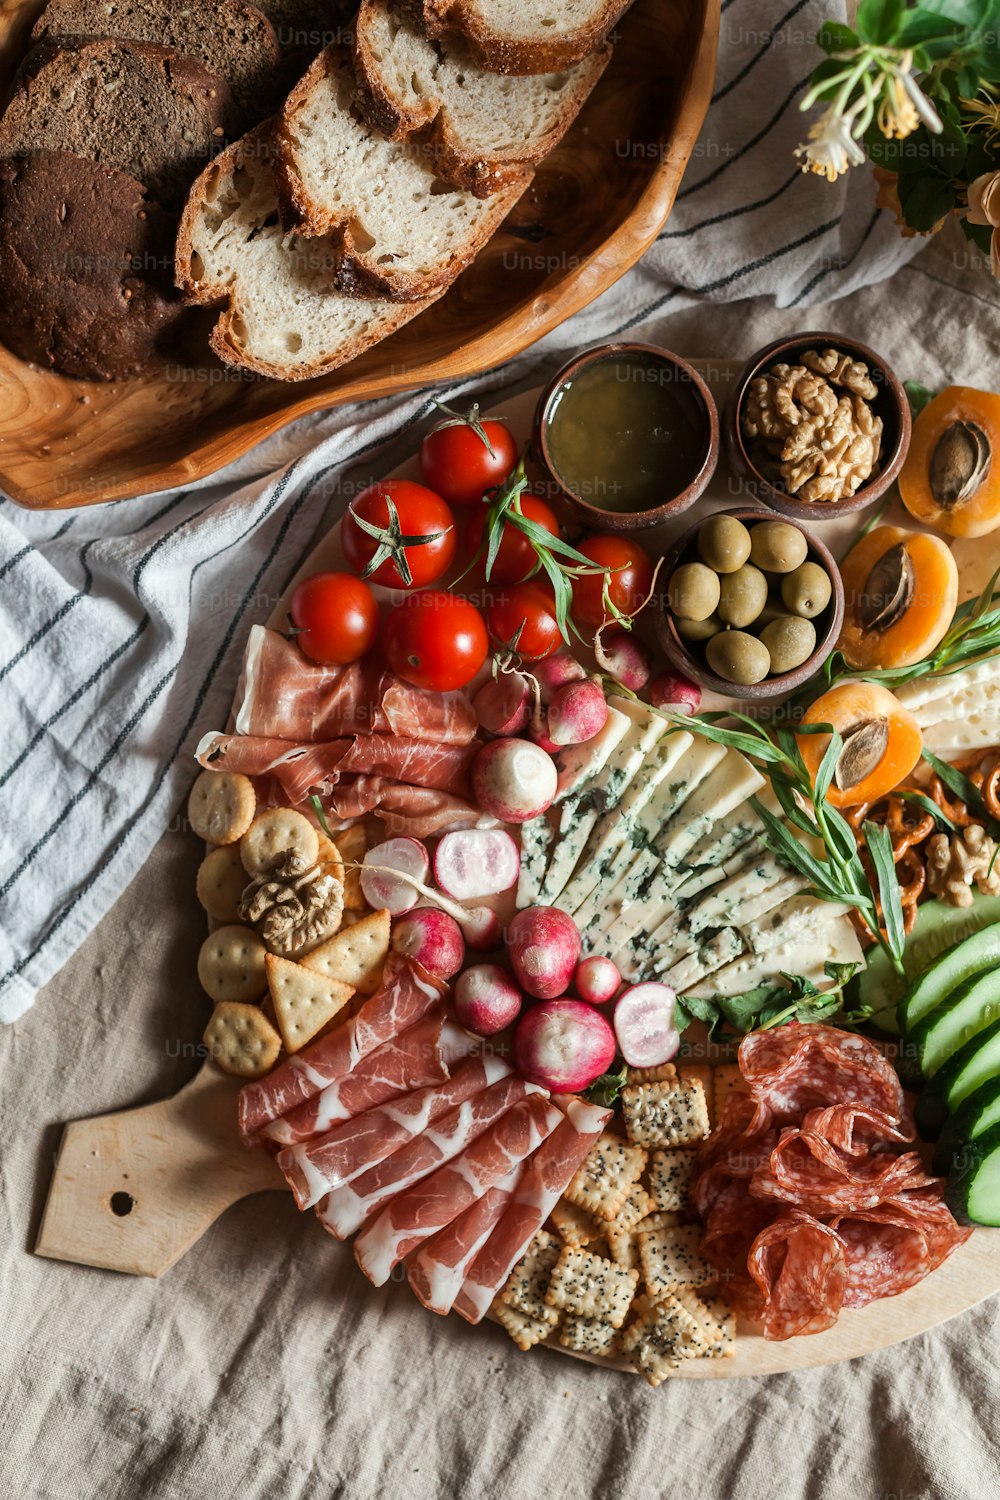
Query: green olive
x,y
777,547
724,543
694,591
737,657
773,609
807,590
699,630
742,596
789,642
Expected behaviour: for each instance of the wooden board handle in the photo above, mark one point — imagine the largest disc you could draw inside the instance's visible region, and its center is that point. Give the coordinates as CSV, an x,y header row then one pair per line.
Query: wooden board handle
x,y
132,1191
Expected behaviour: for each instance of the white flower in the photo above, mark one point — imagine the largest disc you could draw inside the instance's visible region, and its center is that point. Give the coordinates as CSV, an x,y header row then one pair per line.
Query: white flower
x,y
831,148
923,106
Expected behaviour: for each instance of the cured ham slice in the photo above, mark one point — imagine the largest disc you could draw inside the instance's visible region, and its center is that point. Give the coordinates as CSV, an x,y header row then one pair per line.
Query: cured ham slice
x,y
546,1175
315,1167
416,1058
301,769
282,695
345,1209
437,1270
408,992
412,1217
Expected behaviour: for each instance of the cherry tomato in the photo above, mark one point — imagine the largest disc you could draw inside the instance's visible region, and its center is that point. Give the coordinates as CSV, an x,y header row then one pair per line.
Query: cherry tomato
x,y
397,558
335,616
628,585
527,611
516,557
435,640
456,462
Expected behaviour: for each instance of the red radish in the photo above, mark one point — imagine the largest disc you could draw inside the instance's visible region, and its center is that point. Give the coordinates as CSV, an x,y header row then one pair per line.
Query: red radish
x,y
671,691
482,928
513,779
577,712
622,657
563,1045
538,728
503,705
476,862
554,673
644,1024
486,999
596,980
431,937
380,884
544,946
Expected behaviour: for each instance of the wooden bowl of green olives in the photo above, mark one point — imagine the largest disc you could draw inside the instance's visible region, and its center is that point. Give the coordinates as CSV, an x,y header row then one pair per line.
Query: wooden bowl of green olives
x,y
753,604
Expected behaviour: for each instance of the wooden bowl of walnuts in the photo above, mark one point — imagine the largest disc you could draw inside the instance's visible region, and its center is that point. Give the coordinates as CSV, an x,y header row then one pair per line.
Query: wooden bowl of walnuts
x,y
753,604
817,426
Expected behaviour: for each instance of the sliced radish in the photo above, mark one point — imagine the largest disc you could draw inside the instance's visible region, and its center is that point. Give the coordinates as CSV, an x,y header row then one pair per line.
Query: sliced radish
x,y
482,928
513,780
596,980
644,1024
670,690
622,657
554,673
486,999
563,1045
379,884
577,712
503,705
476,862
431,937
544,946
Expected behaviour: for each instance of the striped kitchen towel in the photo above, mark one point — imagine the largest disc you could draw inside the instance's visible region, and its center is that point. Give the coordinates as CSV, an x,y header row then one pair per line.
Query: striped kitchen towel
x,y
121,625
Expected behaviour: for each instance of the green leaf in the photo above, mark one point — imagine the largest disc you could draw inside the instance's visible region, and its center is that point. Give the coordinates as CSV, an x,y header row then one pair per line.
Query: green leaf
x,y
604,1091
682,1016
833,36
955,780
917,395
782,844
925,199
878,20
879,844
940,817
320,812
841,974
827,766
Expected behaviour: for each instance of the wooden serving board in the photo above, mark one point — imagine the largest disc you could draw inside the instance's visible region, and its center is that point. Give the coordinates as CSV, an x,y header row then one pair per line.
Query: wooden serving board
x,y
596,204
133,1191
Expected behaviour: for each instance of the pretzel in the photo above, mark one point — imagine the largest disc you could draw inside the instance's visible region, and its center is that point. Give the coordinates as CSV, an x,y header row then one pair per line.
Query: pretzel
x,y
986,783
907,822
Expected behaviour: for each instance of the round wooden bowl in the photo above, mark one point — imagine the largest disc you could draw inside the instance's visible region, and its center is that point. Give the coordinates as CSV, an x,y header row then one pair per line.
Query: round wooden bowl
x,y
828,624
890,404
596,204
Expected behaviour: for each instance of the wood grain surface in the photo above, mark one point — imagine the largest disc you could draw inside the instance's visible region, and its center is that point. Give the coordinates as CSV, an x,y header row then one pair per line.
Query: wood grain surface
x,y
597,203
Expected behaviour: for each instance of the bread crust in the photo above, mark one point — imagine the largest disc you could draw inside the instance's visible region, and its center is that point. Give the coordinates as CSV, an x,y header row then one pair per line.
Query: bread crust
x,y
503,54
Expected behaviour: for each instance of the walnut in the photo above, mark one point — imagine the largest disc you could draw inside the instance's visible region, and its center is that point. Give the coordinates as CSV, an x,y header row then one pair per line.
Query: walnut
x,y
822,445
296,905
957,861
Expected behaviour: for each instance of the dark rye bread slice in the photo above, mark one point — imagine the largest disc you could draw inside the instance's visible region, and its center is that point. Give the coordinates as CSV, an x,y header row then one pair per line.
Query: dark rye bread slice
x,y
156,114
279,314
523,36
85,267
234,40
486,128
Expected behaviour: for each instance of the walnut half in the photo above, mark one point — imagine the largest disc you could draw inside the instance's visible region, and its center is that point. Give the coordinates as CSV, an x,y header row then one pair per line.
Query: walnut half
x,y
296,905
957,861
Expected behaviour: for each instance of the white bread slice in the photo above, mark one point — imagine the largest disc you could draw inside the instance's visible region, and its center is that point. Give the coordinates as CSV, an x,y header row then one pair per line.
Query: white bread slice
x,y
402,231
280,317
486,128
524,36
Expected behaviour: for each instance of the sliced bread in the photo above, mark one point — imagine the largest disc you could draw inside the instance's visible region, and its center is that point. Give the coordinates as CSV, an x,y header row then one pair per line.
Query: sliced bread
x,y
85,267
279,316
156,114
486,128
524,36
403,232
234,40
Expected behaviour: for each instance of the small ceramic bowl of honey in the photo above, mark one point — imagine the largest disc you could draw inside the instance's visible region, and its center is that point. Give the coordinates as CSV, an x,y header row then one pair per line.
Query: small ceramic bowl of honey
x,y
627,435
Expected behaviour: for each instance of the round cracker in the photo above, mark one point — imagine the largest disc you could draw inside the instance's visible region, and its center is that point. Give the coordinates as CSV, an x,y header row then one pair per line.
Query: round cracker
x,y
221,882
231,964
242,1040
330,858
221,806
275,833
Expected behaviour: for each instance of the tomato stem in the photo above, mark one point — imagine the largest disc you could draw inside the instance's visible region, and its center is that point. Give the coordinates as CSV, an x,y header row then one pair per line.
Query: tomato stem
x,y
392,541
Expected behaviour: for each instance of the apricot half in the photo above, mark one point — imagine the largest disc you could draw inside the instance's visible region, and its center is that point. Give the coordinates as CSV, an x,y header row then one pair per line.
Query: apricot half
x,y
900,593
882,742
951,477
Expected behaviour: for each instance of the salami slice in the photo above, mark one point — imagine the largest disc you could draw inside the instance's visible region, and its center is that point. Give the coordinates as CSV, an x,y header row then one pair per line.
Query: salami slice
x,y
800,1267
806,1170
796,1068
896,1244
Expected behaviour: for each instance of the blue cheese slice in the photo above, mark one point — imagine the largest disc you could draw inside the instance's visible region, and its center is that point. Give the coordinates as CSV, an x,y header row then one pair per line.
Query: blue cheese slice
x,y
808,956
801,916
733,781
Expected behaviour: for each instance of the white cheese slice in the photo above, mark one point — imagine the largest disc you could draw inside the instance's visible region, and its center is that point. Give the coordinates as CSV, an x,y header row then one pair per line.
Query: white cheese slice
x,y
975,732
917,694
796,918
837,943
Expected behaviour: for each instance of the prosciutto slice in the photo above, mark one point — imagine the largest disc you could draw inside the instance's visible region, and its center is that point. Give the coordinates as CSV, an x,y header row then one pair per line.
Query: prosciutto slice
x,y
437,1270
546,1175
416,1058
408,992
282,695
315,1167
346,1208
412,1217
304,768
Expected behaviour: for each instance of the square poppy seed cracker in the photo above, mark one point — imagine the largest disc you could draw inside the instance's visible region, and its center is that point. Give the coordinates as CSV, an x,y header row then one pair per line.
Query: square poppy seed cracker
x,y
624,1250
591,1287
671,1258
576,1227
632,1212
670,1177
665,1114
688,1072
726,1079
588,1335
714,1317
529,1281
665,1073
604,1180
660,1219
526,1332
661,1337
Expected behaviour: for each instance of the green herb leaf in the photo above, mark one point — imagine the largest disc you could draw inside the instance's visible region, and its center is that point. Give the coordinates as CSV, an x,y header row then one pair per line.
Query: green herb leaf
x,y
604,1091
879,843
940,817
878,20
917,395
833,36
320,812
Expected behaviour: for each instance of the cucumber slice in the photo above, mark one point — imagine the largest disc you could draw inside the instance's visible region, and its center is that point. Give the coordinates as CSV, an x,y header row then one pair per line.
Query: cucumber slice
x,y
937,929
967,1011
979,1113
972,1191
973,1065
964,959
